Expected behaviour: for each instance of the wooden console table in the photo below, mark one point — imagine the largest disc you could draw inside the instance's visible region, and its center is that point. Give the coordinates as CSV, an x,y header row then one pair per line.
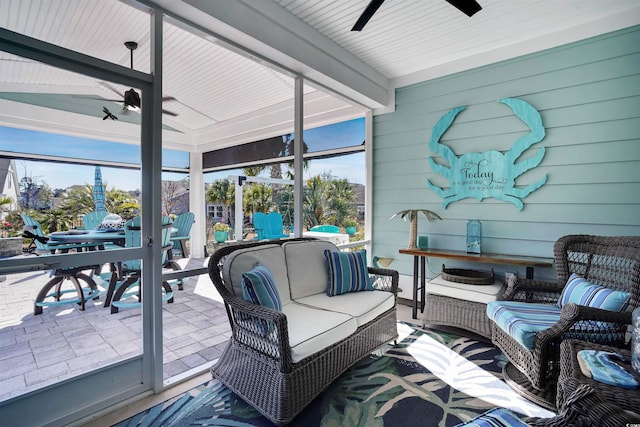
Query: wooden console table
x,y
419,257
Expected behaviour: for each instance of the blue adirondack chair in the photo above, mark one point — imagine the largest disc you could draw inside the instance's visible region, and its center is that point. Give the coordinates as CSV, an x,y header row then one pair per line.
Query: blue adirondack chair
x,y
182,223
92,220
260,225
268,226
124,289
40,242
275,226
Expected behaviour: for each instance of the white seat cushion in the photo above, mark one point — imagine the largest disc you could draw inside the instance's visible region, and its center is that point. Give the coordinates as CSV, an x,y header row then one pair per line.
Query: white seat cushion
x,y
312,329
463,291
364,306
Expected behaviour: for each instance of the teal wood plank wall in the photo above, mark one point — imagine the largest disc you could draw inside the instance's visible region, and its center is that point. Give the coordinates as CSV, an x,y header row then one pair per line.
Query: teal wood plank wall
x,y
588,94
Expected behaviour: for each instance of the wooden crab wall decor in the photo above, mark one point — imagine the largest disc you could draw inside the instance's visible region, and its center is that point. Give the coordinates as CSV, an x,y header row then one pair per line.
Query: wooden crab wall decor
x,y
492,173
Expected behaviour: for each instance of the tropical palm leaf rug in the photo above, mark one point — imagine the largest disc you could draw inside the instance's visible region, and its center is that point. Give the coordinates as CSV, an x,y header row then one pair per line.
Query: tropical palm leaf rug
x,y
428,378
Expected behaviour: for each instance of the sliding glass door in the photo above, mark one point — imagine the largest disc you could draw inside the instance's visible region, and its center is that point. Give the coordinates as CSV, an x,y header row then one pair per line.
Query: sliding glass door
x,y
63,341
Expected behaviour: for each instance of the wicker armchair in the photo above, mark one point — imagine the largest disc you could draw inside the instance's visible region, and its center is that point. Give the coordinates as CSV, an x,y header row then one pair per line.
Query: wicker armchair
x,y
259,368
611,262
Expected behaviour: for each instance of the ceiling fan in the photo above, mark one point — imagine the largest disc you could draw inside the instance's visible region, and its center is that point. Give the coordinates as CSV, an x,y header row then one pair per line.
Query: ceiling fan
x,y
108,114
131,98
468,7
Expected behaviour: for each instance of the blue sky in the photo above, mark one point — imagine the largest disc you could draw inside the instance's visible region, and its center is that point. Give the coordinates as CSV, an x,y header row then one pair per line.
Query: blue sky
x,y
57,175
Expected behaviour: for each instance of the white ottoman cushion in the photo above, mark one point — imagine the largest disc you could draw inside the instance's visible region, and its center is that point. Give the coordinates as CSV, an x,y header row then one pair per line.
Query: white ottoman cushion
x,y
463,291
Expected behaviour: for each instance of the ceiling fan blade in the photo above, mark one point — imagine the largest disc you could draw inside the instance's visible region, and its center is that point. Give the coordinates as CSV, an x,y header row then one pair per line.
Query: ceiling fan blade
x,y
371,8
99,98
193,109
108,114
111,88
169,113
168,98
468,7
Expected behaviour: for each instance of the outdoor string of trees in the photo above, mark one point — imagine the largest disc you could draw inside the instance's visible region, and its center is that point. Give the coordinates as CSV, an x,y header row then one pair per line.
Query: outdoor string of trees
x,y
36,200
327,200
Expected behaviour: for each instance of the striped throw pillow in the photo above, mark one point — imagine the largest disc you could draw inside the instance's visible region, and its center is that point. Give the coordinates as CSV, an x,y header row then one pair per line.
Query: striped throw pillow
x,y
580,291
259,287
497,417
347,272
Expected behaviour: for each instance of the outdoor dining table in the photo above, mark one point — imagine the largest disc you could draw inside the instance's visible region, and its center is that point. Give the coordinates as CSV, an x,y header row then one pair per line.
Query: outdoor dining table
x,y
99,237
91,240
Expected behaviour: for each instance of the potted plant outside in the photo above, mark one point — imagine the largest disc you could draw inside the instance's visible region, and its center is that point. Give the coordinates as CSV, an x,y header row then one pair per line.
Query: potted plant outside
x,y
350,226
221,232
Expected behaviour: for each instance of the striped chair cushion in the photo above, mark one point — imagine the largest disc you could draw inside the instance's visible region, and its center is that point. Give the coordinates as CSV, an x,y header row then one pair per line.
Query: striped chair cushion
x,y
497,417
347,272
580,291
523,320
259,287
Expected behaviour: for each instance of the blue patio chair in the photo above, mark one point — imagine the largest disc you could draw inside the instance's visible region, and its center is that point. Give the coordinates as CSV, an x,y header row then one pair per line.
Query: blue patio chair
x,y
92,220
124,289
268,226
260,225
275,226
46,297
40,242
326,228
182,223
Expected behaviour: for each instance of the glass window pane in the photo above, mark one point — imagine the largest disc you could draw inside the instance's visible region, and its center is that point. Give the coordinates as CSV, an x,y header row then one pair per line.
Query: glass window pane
x,y
25,141
337,135
65,338
317,140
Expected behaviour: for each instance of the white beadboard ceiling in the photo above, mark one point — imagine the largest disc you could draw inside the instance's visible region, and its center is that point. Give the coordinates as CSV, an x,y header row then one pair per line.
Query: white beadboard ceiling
x,y
225,95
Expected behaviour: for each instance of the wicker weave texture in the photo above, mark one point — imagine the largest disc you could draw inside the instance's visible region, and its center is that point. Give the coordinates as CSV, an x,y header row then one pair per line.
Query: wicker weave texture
x,y
571,376
258,366
586,407
469,315
612,262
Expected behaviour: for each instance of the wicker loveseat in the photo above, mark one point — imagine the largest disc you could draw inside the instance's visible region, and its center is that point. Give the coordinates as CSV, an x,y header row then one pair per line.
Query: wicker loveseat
x,y
279,361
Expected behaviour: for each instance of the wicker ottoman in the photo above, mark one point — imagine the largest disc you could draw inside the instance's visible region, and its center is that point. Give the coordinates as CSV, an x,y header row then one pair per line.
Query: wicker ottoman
x,y
571,377
460,305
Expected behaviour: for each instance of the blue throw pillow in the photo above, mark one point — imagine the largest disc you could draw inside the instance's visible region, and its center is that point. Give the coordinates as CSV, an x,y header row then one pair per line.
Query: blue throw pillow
x,y
580,291
259,287
497,417
347,272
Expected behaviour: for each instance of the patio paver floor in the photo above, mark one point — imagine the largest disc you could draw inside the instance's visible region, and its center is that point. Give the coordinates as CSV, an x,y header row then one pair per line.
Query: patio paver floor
x,y
63,341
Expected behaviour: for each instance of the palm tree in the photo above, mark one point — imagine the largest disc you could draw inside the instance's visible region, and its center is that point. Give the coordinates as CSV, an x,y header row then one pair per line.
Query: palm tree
x,y
412,215
222,191
253,170
78,200
314,204
122,203
257,198
57,220
340,198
